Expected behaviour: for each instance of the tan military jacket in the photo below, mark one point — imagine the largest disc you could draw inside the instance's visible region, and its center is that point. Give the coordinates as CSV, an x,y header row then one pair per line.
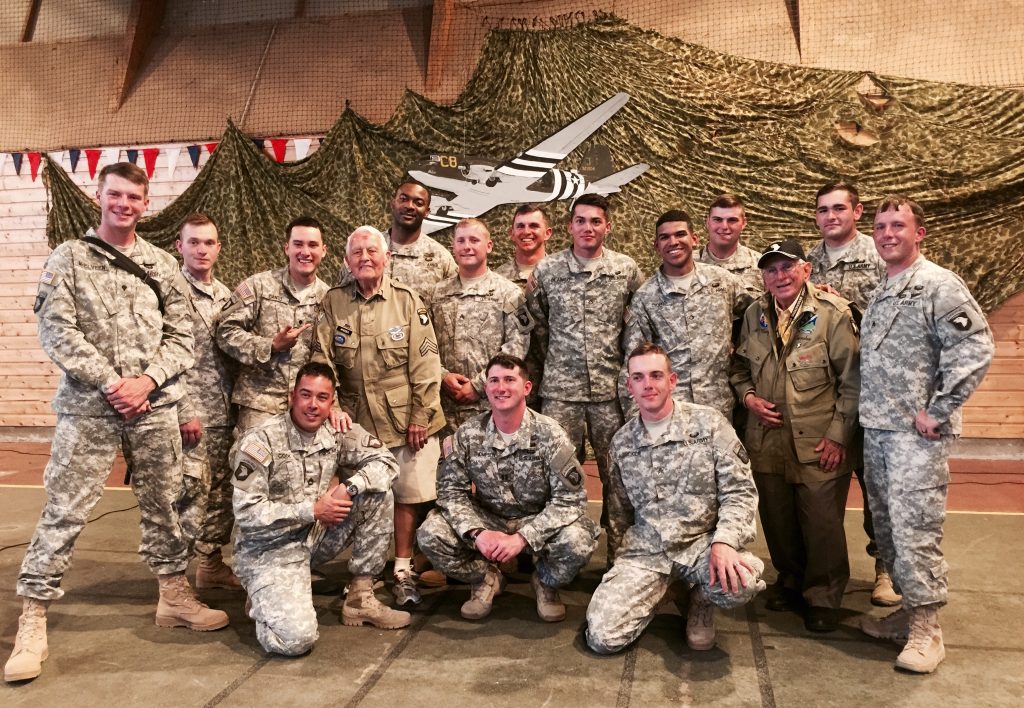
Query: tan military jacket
x,y
258,309
926,345
209,382
473,323
742,264
694,327
855,275
814,381
535,475
384,352
579,316
671,498
99,323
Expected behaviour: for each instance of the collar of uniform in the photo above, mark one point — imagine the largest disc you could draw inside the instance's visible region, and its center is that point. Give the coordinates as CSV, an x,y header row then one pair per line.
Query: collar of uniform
x,y
483,286
603,264
204,288
854,254
523,439
902,280
383,292
700,279
140,249
323,439
677,427
413,249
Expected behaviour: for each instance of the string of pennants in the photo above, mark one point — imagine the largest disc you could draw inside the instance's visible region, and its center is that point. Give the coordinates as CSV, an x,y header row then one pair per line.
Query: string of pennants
x,y
278,147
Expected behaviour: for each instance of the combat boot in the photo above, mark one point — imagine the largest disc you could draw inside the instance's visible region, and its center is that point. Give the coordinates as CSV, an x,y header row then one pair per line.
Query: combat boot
x,y
213,572
30,649
179,606
549,604
895,626
362,607
883,594
700,621
924,649
483,593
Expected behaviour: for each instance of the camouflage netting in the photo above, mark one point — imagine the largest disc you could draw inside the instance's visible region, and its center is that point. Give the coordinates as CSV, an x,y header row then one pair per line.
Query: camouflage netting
x,y
706,123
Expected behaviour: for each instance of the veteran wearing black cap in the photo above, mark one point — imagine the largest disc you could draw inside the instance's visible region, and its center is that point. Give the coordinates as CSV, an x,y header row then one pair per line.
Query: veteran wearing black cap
x,y
796,370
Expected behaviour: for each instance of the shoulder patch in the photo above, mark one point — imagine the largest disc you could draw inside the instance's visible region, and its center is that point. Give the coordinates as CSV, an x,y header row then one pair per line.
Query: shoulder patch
x,y
48,277
428,346
741,453
421,313
524,320
371,441
244,292
448,446
243,471
572,473
257,451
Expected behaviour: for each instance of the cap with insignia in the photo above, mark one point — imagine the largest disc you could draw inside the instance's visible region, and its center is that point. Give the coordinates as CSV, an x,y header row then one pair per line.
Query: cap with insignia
x,y
790,248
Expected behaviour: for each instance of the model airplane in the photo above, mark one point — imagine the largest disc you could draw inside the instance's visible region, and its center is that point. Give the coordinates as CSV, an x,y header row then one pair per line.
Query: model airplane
x,y
476,187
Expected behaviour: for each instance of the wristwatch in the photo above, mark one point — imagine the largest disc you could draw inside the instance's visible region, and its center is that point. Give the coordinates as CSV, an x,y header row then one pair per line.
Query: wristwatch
x,y
473,533
352,490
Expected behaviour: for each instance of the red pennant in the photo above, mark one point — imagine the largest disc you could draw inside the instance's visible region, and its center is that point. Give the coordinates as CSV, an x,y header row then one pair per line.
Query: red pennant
x,y
93,158
210,147
150,155
33,161
279,145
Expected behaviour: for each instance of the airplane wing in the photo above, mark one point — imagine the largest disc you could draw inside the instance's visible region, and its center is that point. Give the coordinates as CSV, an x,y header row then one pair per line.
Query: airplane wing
x,y
535,161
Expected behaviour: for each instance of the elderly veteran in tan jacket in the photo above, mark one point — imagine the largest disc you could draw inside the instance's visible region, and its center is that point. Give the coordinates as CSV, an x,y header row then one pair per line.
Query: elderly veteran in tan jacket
x,y
796,370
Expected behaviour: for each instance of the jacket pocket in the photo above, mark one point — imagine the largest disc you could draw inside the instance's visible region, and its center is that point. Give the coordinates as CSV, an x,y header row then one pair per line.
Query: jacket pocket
x,y
808,370
399,408
807,433
345,353
393,347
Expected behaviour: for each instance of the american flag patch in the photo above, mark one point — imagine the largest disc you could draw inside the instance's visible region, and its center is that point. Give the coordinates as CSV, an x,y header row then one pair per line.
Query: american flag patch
x,y
257,451
47,277
244,292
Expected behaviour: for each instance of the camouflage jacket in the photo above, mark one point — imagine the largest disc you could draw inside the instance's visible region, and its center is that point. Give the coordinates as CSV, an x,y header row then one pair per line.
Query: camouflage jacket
x,y
209,382
260,307
671,498
510,270
536,474
814,382
855,275
278,477
694,327
925,345
742,264
99,323
579,316
384,353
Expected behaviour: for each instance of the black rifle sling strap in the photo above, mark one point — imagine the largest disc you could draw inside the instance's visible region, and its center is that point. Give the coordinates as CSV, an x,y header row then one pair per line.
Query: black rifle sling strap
x,y
127,264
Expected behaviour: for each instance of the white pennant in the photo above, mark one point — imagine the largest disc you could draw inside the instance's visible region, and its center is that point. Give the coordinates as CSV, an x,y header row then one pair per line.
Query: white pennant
x,y
302,147
111,155
3,162
172,160
57,157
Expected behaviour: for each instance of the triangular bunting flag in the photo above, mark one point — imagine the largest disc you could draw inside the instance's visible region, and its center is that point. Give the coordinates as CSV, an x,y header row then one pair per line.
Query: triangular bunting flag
x,y
74,155
92,157
112,155
17,157
193,153
57,157
3,161
279,145
132,155
302,147
149,156
33,162
259,143
172,160
210,147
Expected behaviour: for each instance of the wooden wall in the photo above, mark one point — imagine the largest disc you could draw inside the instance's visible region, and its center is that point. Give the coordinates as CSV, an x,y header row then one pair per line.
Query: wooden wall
x,y
28,379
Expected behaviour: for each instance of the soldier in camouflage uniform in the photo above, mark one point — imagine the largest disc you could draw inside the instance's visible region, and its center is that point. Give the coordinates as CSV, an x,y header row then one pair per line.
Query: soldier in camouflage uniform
x,y
376,335
265,325
477,314
796,371
578,299
681,507
688,309
121,343
846,263
726,221
925,348
509,481
205,413
529,233
290,513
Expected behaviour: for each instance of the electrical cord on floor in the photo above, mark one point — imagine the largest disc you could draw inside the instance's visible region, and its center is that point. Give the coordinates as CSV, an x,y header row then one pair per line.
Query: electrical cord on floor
x,y
97,518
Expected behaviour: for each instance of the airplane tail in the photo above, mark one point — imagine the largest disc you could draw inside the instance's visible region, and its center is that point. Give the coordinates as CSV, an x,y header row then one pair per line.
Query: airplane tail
x,y
615,181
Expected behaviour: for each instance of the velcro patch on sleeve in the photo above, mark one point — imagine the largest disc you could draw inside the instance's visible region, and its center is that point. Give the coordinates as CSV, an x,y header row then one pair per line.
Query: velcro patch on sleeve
x,y
741,453
568,467
448,446
257,451
244,292
244,475
48,277
524,320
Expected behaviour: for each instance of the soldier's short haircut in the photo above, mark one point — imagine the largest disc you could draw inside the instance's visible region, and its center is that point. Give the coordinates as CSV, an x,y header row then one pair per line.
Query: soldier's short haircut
x,y
674,215
305,220
530,208
594,200
197,219
645,348
893,202
839,187
413,180
128,171
316,369
369,231
728,201
464,223
507,361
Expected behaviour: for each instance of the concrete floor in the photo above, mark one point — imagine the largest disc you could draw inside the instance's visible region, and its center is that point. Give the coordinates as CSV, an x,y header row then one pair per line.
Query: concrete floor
x,y
105,649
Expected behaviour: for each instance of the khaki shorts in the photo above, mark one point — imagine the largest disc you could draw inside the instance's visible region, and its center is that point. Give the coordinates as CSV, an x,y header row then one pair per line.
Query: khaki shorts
x,y
417,473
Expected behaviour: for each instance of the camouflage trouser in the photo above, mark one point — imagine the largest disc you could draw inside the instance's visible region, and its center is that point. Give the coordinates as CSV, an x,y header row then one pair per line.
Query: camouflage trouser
x,y
558,562
628,596
81,457
249,418
597,422
907,477
204,506
278,583
456,415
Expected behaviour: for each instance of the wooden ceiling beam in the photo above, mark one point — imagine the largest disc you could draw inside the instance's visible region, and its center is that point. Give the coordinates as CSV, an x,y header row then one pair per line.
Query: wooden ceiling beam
x,y
144,20
31,17
440,43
